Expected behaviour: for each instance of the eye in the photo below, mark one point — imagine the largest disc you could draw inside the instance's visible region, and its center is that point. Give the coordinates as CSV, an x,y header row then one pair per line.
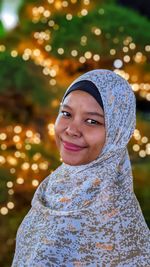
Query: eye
x,y
90,121
65,113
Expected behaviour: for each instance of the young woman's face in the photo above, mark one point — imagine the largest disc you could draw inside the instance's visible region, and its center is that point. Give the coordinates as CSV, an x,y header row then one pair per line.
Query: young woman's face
x,y
80,129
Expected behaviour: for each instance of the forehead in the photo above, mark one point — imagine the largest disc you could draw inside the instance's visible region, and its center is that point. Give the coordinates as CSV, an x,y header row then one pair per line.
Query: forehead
x,y
81,98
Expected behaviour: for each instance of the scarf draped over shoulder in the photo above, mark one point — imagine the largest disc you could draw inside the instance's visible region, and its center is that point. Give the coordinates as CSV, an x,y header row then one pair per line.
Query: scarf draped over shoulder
x,y
88,215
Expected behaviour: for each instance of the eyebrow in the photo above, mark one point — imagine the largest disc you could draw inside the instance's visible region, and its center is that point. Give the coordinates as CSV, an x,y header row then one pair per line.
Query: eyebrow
x,y
88,113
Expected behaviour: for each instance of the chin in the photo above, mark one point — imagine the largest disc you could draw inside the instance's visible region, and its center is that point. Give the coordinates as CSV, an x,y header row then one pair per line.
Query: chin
x,y
71,162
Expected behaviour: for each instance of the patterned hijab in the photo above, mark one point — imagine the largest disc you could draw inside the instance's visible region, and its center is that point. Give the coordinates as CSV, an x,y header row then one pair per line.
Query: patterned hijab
x,y
88,215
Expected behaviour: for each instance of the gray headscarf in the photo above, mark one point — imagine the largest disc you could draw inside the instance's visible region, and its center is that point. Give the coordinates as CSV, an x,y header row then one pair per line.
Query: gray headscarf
x,y
88,215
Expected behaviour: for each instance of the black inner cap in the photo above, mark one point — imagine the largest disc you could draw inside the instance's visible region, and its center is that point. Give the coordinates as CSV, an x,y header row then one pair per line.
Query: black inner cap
x,y
88,87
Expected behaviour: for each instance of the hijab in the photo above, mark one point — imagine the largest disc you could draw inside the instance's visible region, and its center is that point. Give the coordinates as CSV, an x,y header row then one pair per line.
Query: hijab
x,y
88,215
86,86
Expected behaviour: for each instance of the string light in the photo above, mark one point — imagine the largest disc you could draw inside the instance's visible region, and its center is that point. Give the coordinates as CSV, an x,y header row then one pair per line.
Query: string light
x,y
112,52
118,63
35,183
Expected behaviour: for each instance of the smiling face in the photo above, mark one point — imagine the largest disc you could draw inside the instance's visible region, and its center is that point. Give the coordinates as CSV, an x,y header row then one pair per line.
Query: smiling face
x,y
80,129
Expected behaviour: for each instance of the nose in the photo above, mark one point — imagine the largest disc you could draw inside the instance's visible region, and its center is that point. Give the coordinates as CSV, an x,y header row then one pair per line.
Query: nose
x,y
73,130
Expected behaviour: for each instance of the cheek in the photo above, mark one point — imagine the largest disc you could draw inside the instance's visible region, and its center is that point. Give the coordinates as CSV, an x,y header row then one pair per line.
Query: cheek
x,y
59,127
97,139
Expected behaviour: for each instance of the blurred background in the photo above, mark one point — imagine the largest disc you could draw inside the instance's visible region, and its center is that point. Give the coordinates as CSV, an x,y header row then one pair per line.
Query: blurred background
x,y
44,46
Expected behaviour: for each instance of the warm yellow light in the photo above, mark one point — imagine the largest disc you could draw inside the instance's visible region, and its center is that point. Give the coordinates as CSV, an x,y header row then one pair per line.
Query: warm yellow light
x,y
138,57
14,53
112,52
10,192
16,138
46,71
35,182
142,153
3,136
52,72
2,48
51,23
136,147
86,2
137,134
29,133
60,51
52,82
34,166
132,46
58,4
64,3
43,165
74,53
37,156
96,57
25,57
12,170
47,13
25,166
147,48
148,149
17,154
148,96
11,160
51,130
83,40
97,31
28,147
9,184
69,16
137,137
135,87
2,160
17,129
50,1
125,49
10,205
18,145
88,54
3,210
36,139
144,139
41,9
3,146
126,58
82,59
19,180
48,48
84,12
36,52
28,51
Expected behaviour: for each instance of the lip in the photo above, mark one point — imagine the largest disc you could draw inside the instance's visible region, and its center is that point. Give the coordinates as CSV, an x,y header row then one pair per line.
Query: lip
x,y
71,146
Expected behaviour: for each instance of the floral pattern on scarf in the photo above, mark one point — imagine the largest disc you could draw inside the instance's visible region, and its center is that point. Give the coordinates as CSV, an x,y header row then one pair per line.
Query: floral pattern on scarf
x,y
88,215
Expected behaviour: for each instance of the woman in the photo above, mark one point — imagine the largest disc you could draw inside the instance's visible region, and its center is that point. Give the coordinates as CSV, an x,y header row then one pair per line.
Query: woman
x,y
85,213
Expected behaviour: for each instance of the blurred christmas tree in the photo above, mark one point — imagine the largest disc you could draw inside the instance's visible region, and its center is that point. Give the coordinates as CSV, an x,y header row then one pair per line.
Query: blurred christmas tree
x,y
53,43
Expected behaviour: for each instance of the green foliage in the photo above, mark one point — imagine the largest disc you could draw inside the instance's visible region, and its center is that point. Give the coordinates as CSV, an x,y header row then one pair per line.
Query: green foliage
x,y
114,21
2,30
5,176
24,78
